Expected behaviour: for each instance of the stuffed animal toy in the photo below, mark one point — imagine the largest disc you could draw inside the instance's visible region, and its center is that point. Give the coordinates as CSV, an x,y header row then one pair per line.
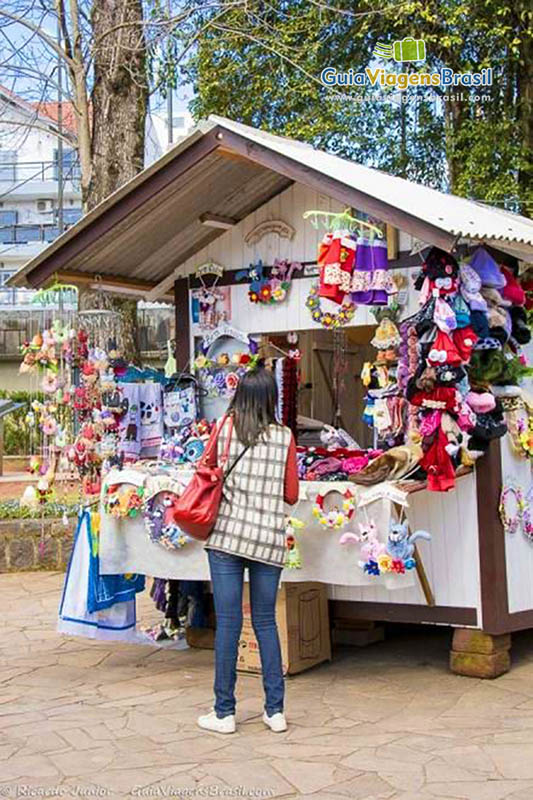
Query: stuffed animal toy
x,y
401,544
371,547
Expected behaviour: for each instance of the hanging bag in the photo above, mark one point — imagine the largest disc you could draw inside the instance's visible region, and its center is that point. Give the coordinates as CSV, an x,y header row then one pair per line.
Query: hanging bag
x,y
196,510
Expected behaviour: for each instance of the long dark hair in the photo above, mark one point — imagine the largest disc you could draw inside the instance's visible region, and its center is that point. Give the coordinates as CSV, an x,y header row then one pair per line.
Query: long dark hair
x,y
254,405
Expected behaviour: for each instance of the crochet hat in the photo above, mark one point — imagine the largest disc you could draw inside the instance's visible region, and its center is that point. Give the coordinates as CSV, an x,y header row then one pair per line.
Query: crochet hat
x,y
461,311
481,402
479,323
443,351
449,376
440,264
520,328
464,340
487,269
512,291
444,316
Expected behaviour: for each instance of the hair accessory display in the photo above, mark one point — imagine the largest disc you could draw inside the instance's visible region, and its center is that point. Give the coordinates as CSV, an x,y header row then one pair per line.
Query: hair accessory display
x,y
337,517
329,319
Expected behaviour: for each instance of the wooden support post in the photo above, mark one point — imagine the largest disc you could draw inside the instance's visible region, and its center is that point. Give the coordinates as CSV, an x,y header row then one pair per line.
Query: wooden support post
x,y
420,569
423,578
1,446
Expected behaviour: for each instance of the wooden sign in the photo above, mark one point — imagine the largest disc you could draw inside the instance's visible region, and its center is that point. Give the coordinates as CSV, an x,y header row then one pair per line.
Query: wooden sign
x,y
210,268
277,226
224,329
383,491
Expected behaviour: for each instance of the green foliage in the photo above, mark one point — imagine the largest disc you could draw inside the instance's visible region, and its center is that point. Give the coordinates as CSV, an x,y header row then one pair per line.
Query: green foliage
x,y
261,64
17,432
11,509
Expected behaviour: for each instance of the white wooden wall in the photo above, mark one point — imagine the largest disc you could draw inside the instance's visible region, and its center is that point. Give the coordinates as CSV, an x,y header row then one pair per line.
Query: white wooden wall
x,y
232,252
451,559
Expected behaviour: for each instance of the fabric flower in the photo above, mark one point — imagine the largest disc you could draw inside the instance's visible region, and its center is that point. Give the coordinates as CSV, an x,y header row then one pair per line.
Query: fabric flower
x,y
409,563
219,380
254,297
200,362
232,380
371,567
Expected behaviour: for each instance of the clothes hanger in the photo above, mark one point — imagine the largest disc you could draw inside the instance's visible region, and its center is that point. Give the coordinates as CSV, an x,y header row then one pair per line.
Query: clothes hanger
x,y
344,218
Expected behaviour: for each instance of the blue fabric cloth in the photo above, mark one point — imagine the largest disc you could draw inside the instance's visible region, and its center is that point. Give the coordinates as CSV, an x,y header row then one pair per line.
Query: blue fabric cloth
x,y
227,576
104,591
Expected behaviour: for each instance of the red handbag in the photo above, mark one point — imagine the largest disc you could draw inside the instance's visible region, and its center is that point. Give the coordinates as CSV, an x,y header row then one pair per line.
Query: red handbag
x,y
196,510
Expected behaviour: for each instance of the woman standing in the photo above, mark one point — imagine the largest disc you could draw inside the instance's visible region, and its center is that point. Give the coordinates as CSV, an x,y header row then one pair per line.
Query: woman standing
x,y
261,476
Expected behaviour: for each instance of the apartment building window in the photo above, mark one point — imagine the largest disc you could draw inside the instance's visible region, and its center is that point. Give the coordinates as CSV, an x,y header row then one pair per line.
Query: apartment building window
x,y
8,165
8,217
71,164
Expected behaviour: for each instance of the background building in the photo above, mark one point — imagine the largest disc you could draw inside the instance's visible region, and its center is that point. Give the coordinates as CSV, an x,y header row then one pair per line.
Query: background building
x,y
37,200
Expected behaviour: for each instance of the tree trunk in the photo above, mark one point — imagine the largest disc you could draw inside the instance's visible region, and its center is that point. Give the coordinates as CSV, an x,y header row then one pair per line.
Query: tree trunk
x,y
119,97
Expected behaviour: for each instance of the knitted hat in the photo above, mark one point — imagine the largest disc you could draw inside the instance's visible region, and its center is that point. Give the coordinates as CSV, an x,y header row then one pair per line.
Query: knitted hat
x,y
443,351
481,402
512,291
487,269
479,323
440,264
520,328
464,340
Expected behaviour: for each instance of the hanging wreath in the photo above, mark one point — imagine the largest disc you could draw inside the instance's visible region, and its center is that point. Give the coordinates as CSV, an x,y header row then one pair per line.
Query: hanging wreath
x,y
159,521
329,319
511,518
337,517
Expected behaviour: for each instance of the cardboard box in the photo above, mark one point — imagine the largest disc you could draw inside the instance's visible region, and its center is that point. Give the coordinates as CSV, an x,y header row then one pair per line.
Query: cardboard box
x,y
303,625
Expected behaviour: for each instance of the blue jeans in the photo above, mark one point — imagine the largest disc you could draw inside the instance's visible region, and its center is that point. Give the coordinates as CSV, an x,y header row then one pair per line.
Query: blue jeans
x,y
227,576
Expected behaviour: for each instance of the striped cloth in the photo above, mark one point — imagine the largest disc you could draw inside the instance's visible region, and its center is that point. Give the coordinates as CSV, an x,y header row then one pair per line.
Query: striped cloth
x,y
251,517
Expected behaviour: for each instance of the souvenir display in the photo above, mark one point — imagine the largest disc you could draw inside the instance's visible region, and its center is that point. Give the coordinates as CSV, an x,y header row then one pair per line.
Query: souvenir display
x,y
293,559
395,556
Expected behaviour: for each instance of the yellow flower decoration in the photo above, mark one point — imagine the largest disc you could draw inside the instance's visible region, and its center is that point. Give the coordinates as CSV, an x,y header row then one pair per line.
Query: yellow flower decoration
x,y
384,562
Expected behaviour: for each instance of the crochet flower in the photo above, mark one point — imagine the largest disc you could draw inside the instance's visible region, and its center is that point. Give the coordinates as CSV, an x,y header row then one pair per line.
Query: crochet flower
x,y
254,297
409,563
279,294
385,562
200,362
49,383
398,566
244,359
49,426
371,567
265,293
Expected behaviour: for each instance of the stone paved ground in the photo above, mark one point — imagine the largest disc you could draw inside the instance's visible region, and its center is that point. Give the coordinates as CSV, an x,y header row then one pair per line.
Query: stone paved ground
x,y
388,722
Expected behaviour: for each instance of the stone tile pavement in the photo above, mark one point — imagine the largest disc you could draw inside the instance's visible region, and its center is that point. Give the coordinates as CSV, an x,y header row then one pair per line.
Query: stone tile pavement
x,y
86,719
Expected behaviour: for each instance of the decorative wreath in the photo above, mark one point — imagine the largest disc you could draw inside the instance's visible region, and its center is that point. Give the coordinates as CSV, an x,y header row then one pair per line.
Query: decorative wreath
x,y
336,518
511,521
123,502
329,319
159,521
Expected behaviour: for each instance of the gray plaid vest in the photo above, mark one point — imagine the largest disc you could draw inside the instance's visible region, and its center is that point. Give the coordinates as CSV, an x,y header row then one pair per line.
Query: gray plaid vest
x,y
251,518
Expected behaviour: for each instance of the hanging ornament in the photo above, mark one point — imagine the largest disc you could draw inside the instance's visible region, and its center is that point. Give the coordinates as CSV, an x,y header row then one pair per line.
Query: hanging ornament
x,y
337,517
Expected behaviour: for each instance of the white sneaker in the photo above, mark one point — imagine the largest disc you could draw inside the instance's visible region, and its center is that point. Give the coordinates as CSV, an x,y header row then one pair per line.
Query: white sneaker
x,y
276,722
210,722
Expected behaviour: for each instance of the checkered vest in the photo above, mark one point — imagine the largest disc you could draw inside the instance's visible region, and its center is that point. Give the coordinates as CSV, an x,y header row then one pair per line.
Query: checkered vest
x,y
251,518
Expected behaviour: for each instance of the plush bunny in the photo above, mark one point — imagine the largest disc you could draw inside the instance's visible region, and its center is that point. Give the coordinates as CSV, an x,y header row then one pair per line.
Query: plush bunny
x,y
401,545
371,547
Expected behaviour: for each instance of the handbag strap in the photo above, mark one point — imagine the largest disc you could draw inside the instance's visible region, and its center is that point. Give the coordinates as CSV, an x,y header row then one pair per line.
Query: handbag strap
x,y
230,470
